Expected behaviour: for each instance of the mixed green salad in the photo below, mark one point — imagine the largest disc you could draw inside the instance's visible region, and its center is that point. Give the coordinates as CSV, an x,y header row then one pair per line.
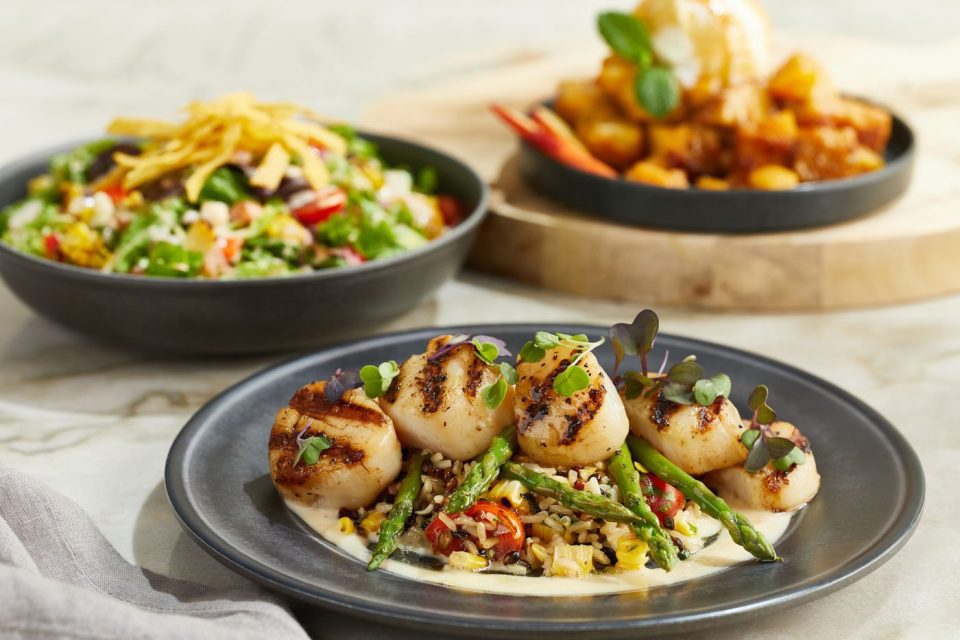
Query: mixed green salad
x,y
240,190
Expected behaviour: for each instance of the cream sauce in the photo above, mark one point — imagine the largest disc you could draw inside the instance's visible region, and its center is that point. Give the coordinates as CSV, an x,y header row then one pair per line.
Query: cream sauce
x,y
720,555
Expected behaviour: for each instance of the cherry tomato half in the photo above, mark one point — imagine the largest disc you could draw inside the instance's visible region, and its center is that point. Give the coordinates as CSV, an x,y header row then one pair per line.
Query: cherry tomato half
x,y
509,530
329,201
449,210
51,245
115,192
664,499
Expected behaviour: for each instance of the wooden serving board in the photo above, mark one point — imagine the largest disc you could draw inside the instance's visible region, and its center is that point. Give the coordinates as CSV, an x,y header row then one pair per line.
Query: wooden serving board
x,y
908,251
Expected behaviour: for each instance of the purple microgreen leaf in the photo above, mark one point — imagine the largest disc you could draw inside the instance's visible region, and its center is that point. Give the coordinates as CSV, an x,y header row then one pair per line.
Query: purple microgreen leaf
x,y
766,415
635,338
758,397
759,456
686,372
779,447
339,383
679,393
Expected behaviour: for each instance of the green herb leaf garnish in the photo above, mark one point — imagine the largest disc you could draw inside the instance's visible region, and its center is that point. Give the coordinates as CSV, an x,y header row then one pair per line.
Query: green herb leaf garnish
x,y
487,351
656,89
572,379
493,394
626,35
311,448
508,372
377,379
658,92
530,352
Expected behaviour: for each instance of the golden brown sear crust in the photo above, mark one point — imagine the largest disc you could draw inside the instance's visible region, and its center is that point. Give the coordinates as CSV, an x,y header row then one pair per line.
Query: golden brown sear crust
x,y
284,443
311,401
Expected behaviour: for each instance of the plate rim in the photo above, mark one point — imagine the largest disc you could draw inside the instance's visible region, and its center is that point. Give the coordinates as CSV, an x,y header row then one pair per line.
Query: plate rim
x,y
891,539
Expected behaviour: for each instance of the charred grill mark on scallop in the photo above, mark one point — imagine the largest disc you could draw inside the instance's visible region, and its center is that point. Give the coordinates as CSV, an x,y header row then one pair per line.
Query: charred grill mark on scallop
x,y
661,411
285,444
312,402
430,382
585,413
475,376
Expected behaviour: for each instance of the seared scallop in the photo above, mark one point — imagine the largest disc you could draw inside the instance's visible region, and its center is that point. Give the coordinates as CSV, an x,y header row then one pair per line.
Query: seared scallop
x,y
769,488
436,402
364,456
696,438
561,431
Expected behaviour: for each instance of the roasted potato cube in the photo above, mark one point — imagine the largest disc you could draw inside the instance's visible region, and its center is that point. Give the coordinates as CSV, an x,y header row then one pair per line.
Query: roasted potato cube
x,y
617,78
770,140
578,100
800,79
734,106
871,123
616,141
709,183
825,153
652,173
696,148
772,177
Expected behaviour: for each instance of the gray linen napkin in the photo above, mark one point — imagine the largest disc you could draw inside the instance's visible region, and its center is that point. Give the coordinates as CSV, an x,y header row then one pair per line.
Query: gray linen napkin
x,y
61,578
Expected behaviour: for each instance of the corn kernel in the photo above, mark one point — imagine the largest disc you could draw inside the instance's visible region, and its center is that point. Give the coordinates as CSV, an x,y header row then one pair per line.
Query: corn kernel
x,y
631,553
345,525
465,561
512,490
542,531
371,523
572,561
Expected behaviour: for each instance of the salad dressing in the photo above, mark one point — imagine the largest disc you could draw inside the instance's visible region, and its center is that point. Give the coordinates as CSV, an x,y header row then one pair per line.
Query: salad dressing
x,y
716,557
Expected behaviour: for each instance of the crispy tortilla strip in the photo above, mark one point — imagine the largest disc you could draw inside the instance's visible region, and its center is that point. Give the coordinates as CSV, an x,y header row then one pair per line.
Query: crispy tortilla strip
x,y
272,168
314,169
142,128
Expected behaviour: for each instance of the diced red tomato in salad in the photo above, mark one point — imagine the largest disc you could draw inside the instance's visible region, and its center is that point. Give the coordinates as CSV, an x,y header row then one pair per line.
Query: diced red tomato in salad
x,y
115,192
329,201
449,210
509,530
664,499
51,244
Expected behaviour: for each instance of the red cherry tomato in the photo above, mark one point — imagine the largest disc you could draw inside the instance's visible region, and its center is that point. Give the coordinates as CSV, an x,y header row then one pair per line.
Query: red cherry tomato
x,y
329,201
51,244
231,249
449,210
116,192
664,499
509,529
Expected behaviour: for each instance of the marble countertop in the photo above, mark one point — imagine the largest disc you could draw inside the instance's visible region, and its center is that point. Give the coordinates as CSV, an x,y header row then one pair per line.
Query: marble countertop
x,y
95,423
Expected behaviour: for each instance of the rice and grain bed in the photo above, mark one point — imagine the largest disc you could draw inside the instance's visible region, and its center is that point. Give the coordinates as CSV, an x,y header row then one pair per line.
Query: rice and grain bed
x,y
559,541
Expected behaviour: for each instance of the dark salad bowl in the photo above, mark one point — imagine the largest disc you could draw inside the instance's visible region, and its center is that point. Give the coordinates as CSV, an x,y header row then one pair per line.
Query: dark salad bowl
x,y
258,315
809,205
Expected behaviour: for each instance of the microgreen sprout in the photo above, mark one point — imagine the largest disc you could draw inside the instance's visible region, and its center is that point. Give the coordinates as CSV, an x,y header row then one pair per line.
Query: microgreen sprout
x,y
378,378
635,339
488,349
684,383
310,447
765,448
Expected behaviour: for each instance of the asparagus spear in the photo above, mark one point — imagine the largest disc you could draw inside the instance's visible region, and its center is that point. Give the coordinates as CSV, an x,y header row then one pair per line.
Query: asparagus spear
x,y
392,527
591,503
621,469
484,471
738,526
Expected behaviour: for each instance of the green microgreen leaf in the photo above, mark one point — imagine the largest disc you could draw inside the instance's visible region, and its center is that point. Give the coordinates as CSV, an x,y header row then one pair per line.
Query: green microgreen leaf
x,y
572,379
532,353
493,394
795,457
545,340
508,372
487,351
779,447
311,448
679,393
758,396
626,36
658,92
376,379
749,437
707,390
686,372
636,384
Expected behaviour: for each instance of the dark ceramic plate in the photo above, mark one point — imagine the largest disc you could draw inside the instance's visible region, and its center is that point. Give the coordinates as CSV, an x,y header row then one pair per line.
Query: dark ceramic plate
x,y
873,487
812,204
244,316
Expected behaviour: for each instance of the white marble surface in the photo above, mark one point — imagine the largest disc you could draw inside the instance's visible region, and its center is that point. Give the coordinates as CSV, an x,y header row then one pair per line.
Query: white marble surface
x,y
96,423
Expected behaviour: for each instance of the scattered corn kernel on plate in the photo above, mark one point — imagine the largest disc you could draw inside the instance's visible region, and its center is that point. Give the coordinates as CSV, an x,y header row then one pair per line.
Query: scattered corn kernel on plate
x,y
472,517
